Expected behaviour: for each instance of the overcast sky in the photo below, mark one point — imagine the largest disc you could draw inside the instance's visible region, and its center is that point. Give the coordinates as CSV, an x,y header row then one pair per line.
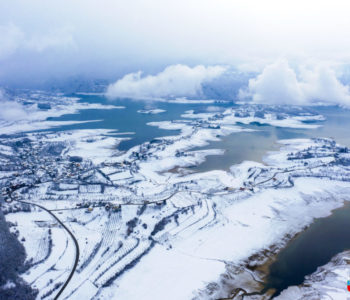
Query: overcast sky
x,y
40,39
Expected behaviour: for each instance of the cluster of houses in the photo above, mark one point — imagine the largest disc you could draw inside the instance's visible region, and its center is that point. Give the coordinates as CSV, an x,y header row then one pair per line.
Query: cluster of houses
x,y
89,207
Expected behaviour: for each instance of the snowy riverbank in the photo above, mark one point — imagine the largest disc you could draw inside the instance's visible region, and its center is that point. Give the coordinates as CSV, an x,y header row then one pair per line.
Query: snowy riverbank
x,y
131,216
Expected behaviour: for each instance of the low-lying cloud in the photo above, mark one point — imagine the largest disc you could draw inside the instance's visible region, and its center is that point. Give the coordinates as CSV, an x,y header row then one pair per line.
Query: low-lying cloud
x,y
11,110
13,39
44,41
173,81
280,84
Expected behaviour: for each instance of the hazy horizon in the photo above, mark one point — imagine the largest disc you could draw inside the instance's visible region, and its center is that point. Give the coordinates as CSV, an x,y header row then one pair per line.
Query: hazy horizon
x,y
42,42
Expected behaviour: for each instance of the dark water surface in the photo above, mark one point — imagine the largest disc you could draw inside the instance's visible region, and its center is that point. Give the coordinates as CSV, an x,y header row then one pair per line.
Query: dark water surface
x,y
312,248
315,247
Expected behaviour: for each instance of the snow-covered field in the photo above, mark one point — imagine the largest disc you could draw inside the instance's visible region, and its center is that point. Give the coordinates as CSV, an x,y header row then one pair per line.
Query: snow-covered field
x,y
32,115
147,232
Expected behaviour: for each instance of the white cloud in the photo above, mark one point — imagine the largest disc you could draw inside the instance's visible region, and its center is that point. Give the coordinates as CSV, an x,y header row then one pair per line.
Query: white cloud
x,y
13,38
58,38
173,81
280,84
321,84
115,37
11,110
10,39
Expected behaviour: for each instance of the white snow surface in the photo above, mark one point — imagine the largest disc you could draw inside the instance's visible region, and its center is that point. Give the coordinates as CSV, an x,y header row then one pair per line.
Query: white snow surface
x,y
34,118
174,233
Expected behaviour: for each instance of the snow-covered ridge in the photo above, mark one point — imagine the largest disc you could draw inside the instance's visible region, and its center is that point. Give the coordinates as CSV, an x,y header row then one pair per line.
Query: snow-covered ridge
x,y
184,100
33,110
248,114
132,215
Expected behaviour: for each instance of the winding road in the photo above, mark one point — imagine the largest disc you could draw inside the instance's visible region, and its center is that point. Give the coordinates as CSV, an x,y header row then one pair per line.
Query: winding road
x,y
77,250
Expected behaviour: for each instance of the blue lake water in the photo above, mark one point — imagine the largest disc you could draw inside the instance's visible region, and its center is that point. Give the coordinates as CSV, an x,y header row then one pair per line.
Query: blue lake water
x,y
254,145
238,146
324,239
128,119
314,247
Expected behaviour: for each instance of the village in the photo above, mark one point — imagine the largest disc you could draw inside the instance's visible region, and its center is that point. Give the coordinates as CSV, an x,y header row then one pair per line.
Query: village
x,y
127,203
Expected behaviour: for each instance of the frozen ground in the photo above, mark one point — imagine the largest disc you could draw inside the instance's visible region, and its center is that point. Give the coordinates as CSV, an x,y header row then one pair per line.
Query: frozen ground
x,y
145,231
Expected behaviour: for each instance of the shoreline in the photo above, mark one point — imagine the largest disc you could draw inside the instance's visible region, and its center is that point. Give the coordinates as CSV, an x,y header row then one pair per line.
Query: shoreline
x,y
209,221
263,260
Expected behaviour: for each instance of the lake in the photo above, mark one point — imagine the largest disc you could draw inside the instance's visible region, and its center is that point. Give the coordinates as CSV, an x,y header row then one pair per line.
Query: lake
x,y
312,248
238,146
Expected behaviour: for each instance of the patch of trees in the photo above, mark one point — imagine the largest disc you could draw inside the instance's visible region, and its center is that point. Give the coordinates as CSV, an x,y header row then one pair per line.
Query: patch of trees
x,y
12,257
141,209
161,225
131,224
